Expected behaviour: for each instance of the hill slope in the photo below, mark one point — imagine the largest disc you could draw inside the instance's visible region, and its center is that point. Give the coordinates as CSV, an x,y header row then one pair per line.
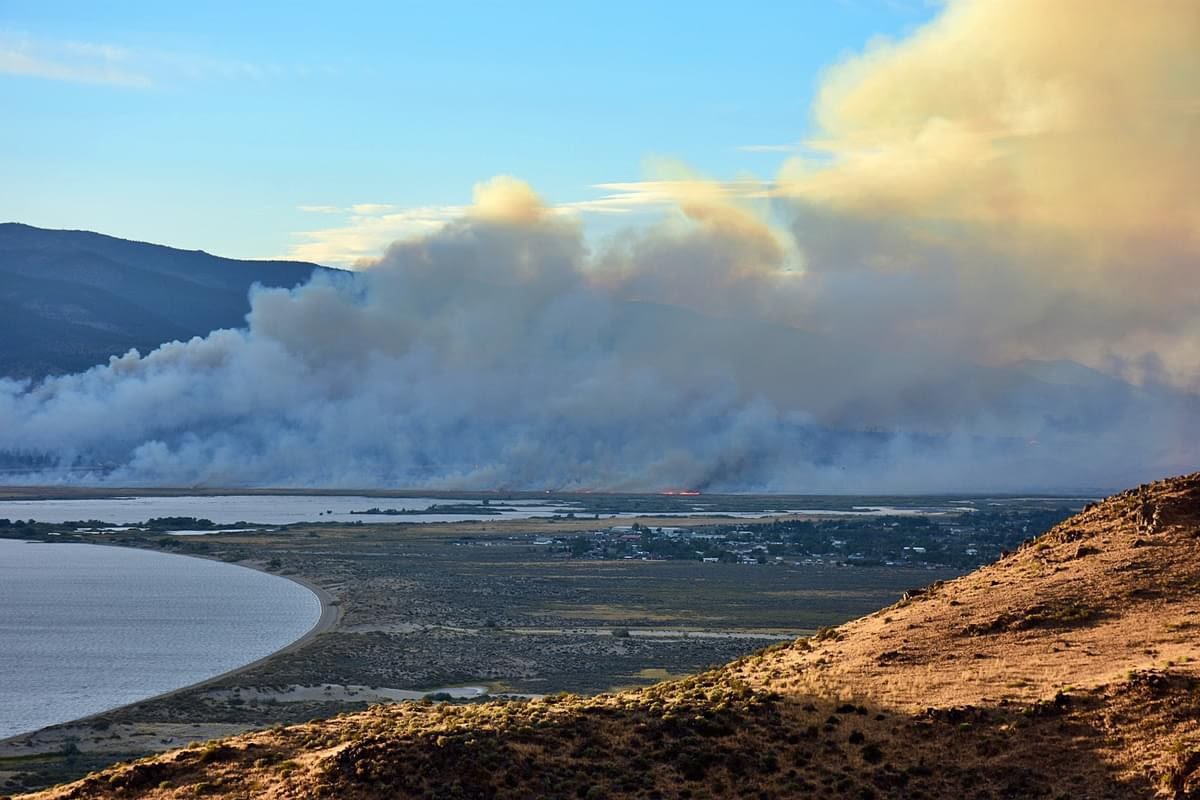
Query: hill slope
x,y
1067,669
73,298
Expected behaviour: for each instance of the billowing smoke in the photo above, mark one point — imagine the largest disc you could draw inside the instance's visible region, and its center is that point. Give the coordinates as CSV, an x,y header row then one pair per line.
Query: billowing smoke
x,y
1036,162
499,352
989,282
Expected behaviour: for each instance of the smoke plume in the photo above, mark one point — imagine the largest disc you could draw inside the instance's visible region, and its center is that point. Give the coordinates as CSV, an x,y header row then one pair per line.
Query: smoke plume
x,y
986,279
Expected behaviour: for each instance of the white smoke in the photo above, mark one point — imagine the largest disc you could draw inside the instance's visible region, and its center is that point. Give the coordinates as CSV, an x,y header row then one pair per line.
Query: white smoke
x,y
499,352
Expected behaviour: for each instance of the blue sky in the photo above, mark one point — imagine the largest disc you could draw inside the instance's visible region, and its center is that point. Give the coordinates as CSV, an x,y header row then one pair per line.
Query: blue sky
x,y
215,125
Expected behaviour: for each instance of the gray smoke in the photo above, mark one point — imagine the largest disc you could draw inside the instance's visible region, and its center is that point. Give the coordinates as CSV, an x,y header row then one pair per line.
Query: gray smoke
x,y
500,352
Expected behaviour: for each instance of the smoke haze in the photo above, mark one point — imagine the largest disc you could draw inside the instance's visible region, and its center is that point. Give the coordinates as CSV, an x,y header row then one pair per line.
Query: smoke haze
x,y
986,279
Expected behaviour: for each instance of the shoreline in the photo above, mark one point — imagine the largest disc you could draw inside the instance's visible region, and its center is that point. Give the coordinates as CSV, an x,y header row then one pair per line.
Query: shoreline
x,y
31,493
328,620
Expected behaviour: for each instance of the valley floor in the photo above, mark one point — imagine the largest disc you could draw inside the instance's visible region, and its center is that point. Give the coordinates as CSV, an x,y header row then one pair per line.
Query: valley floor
x,y
1068,669
421,610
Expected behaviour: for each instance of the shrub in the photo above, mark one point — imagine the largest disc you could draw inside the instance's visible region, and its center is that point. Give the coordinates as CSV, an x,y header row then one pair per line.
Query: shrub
x,y
872,754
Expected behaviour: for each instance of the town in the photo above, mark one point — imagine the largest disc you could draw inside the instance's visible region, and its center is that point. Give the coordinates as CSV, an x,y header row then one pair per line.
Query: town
x,y
962,540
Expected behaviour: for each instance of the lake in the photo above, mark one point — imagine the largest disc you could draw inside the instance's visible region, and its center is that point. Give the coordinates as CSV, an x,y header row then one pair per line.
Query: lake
x,y
268,509
260,508
85,628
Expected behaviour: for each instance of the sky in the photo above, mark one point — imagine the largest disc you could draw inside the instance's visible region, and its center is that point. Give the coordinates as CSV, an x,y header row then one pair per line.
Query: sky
x,y
850,246
216,125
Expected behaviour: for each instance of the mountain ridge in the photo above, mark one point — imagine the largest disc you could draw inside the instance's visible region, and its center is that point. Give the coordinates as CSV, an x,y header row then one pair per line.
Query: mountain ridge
x,y
74,298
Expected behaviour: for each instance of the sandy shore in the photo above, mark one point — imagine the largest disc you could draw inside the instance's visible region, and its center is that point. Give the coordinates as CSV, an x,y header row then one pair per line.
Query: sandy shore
x,y
52,736
331,616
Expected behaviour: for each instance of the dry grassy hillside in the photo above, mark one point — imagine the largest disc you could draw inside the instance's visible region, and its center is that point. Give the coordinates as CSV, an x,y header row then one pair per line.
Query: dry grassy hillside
x,y
1066,670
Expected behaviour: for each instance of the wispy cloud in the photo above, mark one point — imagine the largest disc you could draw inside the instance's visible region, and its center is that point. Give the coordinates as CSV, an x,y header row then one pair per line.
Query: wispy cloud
x,y
99,63
373,209
630,195
367,230
767,148
76,62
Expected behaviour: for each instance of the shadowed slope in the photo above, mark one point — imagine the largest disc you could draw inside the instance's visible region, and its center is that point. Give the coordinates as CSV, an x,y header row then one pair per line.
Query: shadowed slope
x,y
1064,670
74,298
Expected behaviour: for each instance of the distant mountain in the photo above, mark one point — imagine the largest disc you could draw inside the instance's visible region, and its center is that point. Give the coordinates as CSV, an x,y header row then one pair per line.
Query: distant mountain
x,y
71,299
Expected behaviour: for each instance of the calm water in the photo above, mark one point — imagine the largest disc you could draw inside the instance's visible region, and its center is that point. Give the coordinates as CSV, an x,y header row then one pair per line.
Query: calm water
x,y
86,628
288,509
266,509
